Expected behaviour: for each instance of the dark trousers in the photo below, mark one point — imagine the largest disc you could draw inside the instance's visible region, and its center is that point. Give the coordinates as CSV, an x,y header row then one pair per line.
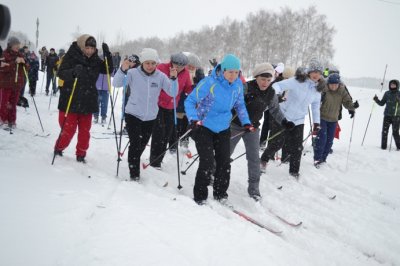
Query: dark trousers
x,y
212,146
162,131
32,87
324,140
395,122
139,134
50,79
181,128
293,139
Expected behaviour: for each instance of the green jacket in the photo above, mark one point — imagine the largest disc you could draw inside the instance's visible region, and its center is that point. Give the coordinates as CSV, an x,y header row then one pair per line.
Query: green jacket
x,y
331,101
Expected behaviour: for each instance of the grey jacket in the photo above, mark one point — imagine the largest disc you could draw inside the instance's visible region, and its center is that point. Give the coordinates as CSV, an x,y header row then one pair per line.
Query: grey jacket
x,y
145,90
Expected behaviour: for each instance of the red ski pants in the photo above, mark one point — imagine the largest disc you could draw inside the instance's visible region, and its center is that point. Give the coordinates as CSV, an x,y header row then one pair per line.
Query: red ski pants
x,y
73,121
8,105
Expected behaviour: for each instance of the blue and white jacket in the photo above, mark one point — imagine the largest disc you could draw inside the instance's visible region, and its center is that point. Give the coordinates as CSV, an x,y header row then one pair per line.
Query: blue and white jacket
x,y
299,96
213,99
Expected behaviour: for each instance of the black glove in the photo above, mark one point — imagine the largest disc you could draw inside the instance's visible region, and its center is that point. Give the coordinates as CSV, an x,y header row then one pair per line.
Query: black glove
x,y
77,71
316,128
352,113
213,62
249,128
106,50
376,98
288,124
194,124
356,105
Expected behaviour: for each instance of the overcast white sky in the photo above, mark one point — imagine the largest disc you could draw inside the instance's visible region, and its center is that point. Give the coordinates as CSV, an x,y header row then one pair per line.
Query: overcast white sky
x,y
367,35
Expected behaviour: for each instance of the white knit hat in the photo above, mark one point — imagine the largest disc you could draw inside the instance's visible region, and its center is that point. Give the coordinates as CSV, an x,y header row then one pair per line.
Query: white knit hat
x,y
263,68
194,60
149,54
280,68
288,72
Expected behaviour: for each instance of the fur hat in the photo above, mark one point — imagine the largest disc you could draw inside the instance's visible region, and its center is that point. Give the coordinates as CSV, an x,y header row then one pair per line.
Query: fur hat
x,y
263,68
83,39
334,78
315,66
13,41
230,62
149,54
180,59
288,72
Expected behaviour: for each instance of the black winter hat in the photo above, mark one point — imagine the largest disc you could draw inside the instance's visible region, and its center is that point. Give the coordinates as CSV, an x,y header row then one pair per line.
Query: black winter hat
x,y
394,81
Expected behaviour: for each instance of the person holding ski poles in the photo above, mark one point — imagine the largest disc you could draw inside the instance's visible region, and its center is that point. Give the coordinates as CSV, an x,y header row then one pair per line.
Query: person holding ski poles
x,y
301,91
12,78
146,83
258,97
208,109
333,96
81,64
391,99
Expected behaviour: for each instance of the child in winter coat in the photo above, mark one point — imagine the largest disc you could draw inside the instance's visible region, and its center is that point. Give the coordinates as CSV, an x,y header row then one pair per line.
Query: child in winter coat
x,y
12,78
333,96
146,83
392,113
208,109
81,64
301,91
258,97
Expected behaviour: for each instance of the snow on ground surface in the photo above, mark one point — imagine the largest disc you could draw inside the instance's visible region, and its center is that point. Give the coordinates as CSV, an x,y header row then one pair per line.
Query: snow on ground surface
x,y
75,214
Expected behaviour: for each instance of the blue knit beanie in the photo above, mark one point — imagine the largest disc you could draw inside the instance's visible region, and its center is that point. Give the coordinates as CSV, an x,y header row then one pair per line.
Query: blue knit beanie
x,y
334,78
230,62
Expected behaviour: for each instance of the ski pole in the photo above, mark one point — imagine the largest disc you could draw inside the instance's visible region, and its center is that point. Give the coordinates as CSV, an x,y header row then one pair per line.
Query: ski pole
x,y
33,99
369,119
41,87
115,97
155,159
383,80
52,91
65,119
112,104
122,123
177,143
16,74
351,137
190,165
232,160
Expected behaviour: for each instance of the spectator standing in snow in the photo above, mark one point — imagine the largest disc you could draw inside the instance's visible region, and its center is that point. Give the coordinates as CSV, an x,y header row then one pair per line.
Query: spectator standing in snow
x,y
332,98
102,90
33,73
164,125
391,99
146,83
208,109
259,96
80,63
43,55
12,78
301,91
51,64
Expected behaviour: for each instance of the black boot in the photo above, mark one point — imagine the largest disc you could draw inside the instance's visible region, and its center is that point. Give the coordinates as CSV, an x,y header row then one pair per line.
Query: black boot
x,y
80,159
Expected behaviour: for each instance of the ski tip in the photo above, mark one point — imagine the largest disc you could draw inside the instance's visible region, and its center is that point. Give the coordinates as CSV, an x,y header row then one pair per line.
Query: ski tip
x,y
333,197
145,165
166,184
280,187
189,155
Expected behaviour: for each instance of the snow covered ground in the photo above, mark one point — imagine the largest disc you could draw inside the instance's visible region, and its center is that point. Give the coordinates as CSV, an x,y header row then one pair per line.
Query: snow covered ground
x,y
74,214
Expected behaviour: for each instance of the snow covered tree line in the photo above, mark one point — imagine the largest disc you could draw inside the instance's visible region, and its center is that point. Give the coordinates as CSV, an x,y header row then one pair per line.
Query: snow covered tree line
x,y
287,36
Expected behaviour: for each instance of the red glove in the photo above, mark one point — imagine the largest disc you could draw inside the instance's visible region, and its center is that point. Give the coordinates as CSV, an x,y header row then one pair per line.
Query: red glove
x,y
249,128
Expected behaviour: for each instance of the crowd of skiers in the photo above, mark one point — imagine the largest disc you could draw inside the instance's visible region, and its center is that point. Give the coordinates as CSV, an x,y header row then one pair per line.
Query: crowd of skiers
x,y
168,102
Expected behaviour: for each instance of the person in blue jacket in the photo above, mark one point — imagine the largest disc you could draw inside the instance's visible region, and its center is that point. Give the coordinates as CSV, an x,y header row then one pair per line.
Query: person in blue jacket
x,y
208,109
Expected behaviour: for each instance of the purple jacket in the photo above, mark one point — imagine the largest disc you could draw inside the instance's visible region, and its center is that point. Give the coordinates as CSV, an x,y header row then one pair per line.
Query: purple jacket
x,y
102,82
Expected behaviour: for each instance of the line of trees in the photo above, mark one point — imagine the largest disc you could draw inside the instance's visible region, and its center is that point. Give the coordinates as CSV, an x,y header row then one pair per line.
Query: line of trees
x,y
291,37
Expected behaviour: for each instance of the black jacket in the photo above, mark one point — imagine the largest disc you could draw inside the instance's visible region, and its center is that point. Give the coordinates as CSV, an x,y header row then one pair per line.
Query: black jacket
x,y
257,101
84,100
